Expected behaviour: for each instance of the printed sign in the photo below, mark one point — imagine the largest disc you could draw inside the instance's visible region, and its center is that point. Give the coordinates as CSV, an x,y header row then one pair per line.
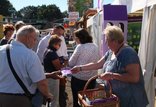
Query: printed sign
x,y
73,16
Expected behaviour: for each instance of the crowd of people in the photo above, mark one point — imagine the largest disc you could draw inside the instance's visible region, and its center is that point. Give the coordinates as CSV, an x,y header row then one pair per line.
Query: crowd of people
x,y
39,68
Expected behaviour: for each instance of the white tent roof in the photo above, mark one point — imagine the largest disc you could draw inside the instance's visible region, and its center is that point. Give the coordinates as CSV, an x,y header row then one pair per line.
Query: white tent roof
x,y
134,5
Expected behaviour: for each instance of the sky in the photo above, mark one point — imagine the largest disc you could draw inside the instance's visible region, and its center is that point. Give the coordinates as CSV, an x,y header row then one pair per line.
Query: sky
x,y
62,4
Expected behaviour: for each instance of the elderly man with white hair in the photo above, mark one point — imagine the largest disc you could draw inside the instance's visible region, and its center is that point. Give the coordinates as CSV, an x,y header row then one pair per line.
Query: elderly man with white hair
x,y
27,66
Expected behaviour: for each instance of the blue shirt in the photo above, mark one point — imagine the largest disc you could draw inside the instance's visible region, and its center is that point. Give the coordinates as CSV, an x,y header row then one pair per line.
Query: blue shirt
x,y
26,64
130,94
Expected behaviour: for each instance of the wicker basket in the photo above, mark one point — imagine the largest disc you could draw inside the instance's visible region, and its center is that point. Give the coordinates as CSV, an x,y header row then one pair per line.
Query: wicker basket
x,y
97,97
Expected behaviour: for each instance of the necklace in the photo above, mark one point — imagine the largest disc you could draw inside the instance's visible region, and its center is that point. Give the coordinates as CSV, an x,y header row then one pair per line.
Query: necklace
x,y
119,49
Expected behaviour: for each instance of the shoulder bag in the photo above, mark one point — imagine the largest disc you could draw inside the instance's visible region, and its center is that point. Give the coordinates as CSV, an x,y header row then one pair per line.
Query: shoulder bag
x,y
27,92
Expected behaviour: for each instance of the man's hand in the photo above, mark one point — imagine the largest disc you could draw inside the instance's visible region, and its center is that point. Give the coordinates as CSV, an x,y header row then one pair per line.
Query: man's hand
x,y
43,88
54,75
49,97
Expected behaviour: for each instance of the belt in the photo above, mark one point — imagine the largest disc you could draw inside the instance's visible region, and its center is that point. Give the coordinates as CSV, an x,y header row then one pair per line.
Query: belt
x,y
12,94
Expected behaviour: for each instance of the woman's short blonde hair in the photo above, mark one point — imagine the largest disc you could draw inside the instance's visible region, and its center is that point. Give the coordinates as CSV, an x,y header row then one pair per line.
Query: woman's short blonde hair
x,y
114,33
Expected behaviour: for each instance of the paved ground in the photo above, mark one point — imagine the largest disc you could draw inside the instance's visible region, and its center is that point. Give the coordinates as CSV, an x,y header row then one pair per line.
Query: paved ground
x,y
68,90
69,101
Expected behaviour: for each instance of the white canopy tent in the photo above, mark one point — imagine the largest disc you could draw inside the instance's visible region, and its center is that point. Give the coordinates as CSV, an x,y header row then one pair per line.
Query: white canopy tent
x,y
134,5
94,25
147,51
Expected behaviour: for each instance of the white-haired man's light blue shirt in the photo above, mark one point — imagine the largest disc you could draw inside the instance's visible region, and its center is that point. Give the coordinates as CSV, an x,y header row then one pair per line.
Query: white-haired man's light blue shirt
x,y
26,64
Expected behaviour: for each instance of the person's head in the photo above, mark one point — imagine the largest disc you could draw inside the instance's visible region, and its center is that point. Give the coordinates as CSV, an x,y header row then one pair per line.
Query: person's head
x,y
59,30
113,36
8,30
27,35
82,36
37,33
54,42
19,24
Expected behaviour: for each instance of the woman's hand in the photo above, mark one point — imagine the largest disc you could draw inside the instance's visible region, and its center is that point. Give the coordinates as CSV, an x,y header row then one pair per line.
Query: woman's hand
x,y
75,69
54,75
106,76
63,81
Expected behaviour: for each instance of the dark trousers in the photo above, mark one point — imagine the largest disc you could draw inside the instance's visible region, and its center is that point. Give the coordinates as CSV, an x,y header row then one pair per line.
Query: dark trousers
x,y
62,96
14,101
78,85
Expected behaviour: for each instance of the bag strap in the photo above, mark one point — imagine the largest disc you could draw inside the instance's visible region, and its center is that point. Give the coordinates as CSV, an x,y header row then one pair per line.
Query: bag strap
x,y
10,41
15,74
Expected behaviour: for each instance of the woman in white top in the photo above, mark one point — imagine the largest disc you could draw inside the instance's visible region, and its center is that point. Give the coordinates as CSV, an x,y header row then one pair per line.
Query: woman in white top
x,y
84,53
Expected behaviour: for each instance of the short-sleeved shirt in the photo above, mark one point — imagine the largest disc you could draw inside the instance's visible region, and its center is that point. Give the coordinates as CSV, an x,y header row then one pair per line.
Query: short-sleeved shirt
x,y
49,56
130,94
26,64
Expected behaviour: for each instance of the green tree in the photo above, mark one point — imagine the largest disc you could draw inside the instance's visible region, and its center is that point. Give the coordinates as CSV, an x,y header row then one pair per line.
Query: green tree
x,y
79,6
65,14
52,12
18,14
41,12
6,8
49,13
29,12
83,5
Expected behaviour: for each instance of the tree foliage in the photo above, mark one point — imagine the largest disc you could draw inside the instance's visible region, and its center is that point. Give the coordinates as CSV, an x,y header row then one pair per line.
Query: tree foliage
x,y
82,5
44,12
29,12
65,14
49,12
6,8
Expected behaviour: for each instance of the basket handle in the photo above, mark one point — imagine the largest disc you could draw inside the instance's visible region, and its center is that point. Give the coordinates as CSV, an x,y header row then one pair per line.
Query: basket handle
x,y
95,77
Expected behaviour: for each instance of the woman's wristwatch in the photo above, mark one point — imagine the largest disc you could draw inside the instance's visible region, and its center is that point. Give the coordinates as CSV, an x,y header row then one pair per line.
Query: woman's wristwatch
x,y
80,68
